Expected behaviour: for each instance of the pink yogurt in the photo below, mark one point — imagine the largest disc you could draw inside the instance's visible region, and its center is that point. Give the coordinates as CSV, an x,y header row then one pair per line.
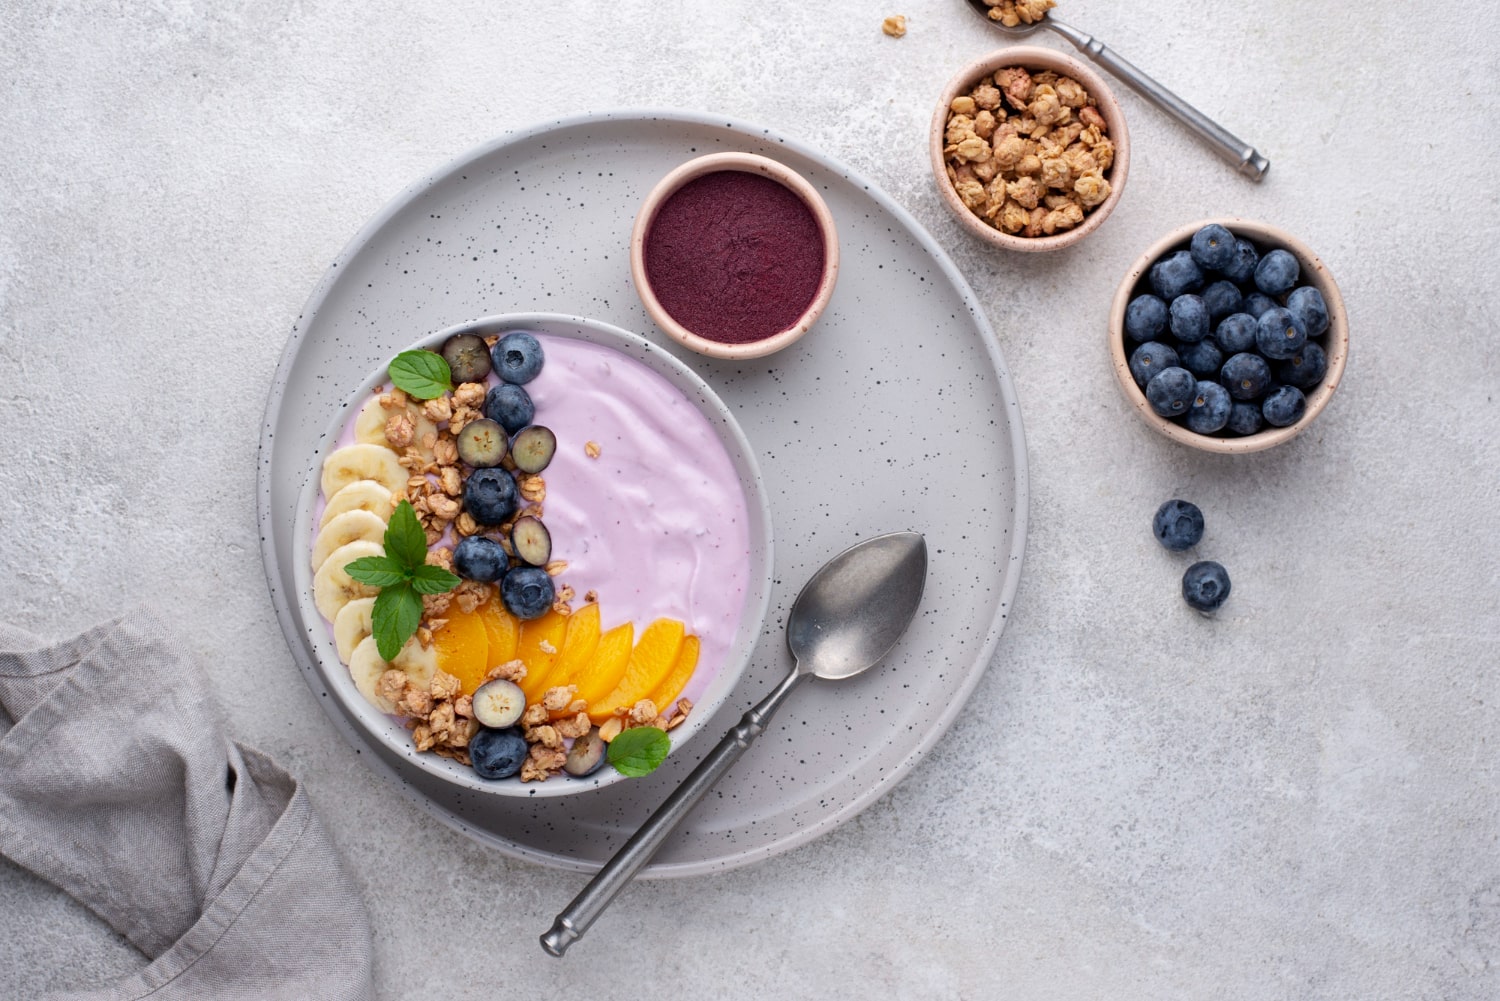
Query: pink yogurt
x,y
657,524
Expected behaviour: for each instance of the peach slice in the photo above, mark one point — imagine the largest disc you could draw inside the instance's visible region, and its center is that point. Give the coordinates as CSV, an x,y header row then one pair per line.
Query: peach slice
x,y
579,644
502,629
650,662
611,657
541,640
463,648
676,679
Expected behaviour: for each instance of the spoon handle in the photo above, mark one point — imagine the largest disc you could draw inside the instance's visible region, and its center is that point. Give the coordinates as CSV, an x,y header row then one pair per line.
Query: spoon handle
x,y
576,918
1236,151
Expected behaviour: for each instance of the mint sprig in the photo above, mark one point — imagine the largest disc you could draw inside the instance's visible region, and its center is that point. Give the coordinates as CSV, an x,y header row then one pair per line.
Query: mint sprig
x,y
403,576
639,750
423,374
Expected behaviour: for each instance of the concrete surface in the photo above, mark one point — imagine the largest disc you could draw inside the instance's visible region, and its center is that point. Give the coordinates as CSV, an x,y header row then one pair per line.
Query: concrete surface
x,y
1296,800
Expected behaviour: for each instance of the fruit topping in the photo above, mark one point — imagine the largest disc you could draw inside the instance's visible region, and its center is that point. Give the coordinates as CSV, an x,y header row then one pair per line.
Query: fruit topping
x,y
497,754
1205,585
483,443
481,559
586,754
1178,525
517,357
532,448
527,592
468,357
490,496
510,406
531,541
499,703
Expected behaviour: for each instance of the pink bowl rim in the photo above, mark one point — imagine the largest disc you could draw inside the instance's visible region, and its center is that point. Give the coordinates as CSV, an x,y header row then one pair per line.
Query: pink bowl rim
x,y
1313,272
749,163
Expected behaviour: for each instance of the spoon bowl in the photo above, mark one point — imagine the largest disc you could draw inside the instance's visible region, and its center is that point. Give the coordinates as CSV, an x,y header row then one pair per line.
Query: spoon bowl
x,y
1018,30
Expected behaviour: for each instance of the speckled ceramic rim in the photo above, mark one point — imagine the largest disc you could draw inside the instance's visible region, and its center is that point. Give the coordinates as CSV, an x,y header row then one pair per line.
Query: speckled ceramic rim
x,y
1035,58
1313,272
392,734
270,529
750,163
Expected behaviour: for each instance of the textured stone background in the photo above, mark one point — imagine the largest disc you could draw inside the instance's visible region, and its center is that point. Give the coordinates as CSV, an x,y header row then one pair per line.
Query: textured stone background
x,y
1296,800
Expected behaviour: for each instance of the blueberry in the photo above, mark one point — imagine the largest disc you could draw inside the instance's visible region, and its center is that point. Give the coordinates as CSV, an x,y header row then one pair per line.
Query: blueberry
x,y
1212,247
1236,333
1222,298
497,754
1244,418
1305,369
1170,391
483,443
1178,525
527,592
481,559
517,357
1284,406
1276,273
509,406
468,358
1257,303
1175,274
1307,305
1149,359
1210,409
1241,268
1189,318
1279,334
1247,376
490,496
1145,318
1205,585
1202,359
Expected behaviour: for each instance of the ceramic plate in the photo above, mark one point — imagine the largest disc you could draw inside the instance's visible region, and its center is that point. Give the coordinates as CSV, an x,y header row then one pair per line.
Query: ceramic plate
x,y
894,412
392,735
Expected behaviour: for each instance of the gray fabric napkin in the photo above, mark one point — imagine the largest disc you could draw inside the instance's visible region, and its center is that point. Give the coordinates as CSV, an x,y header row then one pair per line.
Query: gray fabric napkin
x,y
118,785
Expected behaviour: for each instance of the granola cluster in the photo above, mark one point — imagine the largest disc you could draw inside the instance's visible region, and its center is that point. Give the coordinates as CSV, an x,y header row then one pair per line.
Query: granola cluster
x,y
1014,12
895,25
1028,152
441,717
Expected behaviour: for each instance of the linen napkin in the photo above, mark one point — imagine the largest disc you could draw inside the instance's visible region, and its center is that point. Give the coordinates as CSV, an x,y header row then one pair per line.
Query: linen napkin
x,y
118,785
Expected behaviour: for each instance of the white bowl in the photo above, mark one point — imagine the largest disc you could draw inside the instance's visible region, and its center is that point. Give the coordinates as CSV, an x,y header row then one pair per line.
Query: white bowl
x,y
388,729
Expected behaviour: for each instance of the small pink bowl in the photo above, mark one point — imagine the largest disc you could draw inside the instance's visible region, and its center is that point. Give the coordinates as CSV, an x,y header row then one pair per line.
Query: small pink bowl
x,y
1312,271
1032,58
753,164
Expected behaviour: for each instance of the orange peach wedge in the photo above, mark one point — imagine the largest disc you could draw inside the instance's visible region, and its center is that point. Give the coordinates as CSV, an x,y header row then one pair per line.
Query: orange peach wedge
x,y
463,648
651,661
502,629
676,680
541,640
611,657
578,646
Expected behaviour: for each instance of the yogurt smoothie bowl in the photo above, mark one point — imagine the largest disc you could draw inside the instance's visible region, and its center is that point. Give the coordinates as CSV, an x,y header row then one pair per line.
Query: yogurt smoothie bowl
x,y
536,553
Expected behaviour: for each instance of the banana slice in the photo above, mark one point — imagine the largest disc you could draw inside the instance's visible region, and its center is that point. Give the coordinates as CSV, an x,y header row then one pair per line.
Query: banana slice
x,y
369,426
365,667
363,462
418,661
361,495
351,526
353,624
333,588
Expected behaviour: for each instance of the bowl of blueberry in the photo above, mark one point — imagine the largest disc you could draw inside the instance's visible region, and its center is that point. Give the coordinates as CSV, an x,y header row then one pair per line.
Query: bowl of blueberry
x,y
1228,335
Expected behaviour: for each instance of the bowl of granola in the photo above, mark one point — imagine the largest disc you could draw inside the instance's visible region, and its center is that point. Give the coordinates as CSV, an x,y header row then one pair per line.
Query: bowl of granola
x,y
535,554
1029,149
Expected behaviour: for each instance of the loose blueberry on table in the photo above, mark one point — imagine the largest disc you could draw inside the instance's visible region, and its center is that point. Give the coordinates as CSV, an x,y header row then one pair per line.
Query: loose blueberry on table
x,y
1178,524
1205,586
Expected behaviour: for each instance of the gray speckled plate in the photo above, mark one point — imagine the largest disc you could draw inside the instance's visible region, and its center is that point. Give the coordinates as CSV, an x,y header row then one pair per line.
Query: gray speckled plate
x,y
895,412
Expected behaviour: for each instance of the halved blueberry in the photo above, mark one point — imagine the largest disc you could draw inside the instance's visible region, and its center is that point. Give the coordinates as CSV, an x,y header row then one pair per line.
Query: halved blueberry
x,y
483,443
517,357
532,448
531,541
510,405
527,592
586,754
497,754
490,496
499,703
468,357
481,559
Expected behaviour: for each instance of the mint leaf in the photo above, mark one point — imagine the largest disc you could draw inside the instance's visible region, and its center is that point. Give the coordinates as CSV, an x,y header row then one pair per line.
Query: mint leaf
x,y
377,571
405,542
397,611
433,580
638,751
423,374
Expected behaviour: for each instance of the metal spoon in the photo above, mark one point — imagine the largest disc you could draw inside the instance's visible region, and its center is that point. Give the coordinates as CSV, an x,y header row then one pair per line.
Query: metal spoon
x,y
847,617
1236,151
